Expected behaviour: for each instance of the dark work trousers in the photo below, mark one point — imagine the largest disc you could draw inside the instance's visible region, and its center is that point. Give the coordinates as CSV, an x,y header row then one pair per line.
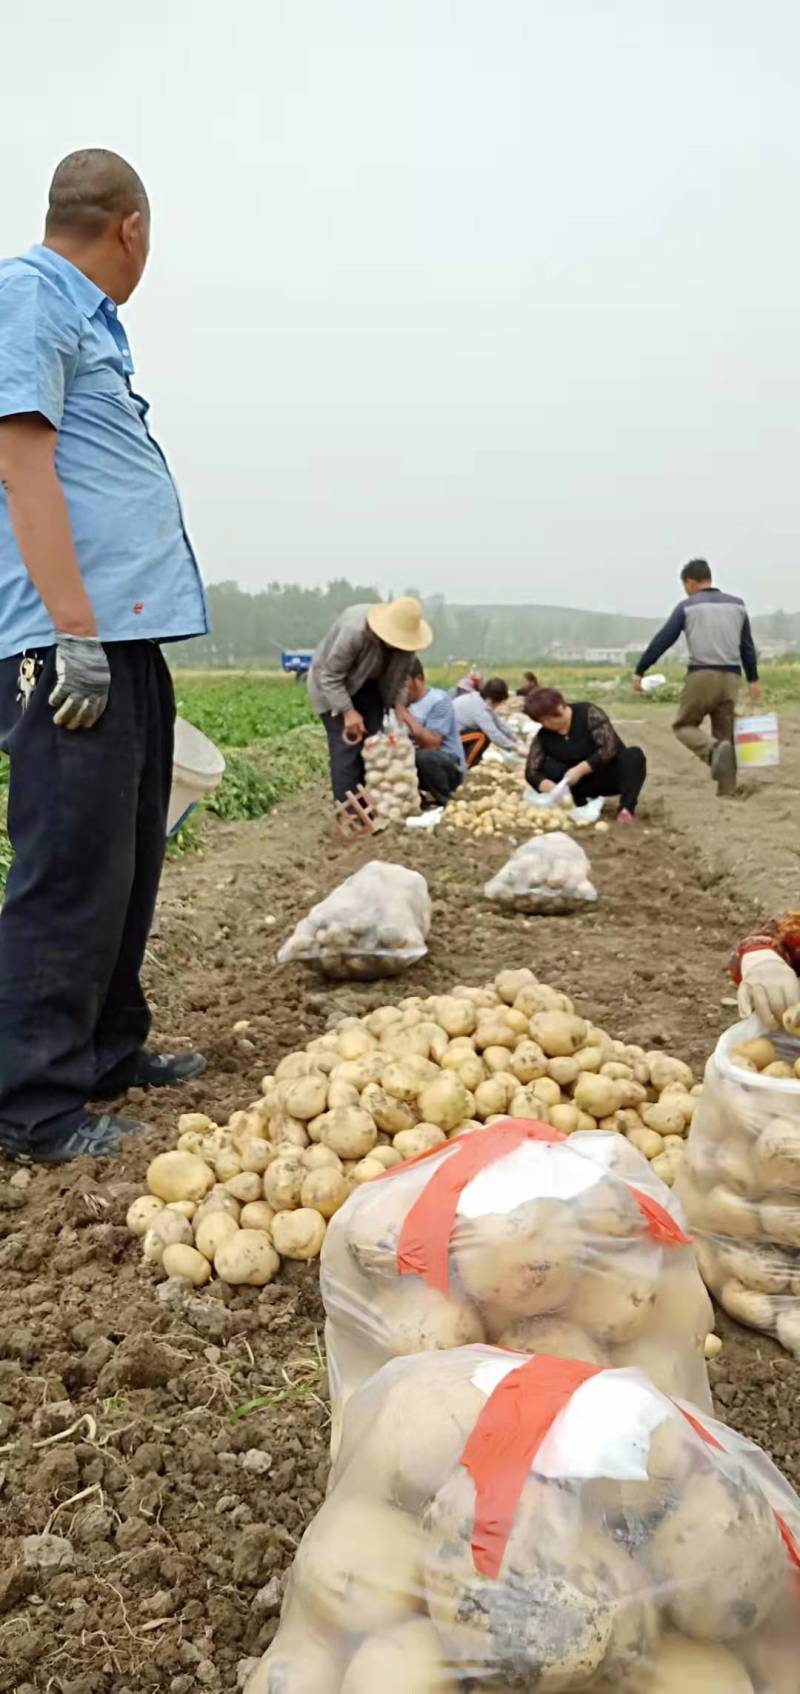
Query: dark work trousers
x,y
624,775
439,775
87,813
347,762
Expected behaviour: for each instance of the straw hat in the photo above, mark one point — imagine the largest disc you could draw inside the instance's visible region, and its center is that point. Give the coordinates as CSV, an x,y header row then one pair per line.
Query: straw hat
x,y
401,624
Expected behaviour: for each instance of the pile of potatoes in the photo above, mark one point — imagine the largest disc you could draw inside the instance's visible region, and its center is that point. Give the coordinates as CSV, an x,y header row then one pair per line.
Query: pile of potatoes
x,y
547,1250
740,1184
391,776
380,1089
629,1557
499,808
375,924
549,876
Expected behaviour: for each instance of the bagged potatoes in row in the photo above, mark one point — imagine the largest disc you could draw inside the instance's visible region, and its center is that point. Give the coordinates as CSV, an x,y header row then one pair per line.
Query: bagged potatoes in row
x,y
539,1526
374,924
740,1183
550,874
520,1236
391,775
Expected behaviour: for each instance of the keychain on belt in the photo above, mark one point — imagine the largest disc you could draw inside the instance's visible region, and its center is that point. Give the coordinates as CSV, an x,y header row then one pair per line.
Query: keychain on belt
x,y
29,671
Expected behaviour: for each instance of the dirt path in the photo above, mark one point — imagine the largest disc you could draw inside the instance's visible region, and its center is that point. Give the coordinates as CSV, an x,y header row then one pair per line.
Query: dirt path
x,y
178,1518
755,839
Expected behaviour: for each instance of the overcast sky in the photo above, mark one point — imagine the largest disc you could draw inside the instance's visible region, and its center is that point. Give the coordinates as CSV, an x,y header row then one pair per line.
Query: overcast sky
x,y
499,297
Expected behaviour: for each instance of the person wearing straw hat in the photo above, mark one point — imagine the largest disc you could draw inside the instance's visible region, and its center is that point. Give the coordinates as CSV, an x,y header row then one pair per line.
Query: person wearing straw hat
x,y
359,671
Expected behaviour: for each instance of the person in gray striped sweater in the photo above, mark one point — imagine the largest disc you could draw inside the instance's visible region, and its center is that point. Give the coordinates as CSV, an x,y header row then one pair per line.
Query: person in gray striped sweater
x,y
717,630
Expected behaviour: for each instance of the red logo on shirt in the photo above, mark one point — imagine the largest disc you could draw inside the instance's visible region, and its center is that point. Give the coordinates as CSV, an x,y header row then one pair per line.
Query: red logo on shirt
x,y
139,607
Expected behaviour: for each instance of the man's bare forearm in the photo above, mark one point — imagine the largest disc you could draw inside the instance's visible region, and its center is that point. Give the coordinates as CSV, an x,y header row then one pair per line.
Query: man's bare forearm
x,y
40,521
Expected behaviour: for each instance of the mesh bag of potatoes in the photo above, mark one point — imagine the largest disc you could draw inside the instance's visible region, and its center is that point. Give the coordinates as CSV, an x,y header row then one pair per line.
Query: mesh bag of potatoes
x,y
374,924
740,1181
391,775
539,1526
549,874
517,1235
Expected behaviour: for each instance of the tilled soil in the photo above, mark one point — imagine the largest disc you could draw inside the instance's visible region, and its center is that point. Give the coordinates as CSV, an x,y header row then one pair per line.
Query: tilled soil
x,y
171,1451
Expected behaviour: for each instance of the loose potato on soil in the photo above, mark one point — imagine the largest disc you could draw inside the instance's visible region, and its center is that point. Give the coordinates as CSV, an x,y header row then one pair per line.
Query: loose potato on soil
x,y
141,1212
298,1234
246,1258
348,1131
179,1176
212,1229
166,1229
324,1190
181,1260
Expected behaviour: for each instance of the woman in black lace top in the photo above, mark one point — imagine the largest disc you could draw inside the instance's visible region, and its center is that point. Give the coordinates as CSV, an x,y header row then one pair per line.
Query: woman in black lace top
x,y
578,744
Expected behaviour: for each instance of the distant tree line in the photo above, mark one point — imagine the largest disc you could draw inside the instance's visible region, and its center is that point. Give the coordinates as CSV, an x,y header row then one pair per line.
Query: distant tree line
x,y
251,630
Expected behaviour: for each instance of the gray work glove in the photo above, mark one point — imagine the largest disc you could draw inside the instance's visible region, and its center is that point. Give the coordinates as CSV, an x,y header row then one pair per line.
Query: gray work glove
x,y
83,680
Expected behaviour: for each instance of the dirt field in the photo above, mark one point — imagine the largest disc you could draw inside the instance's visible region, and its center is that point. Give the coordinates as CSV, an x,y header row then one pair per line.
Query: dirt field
x,y
177,1507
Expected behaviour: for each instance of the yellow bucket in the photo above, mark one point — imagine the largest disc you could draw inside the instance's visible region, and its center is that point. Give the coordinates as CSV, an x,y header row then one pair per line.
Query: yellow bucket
x,y
757,742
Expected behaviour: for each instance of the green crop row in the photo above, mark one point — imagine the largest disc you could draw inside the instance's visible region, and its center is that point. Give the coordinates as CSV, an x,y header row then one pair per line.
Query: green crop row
x,y
241,708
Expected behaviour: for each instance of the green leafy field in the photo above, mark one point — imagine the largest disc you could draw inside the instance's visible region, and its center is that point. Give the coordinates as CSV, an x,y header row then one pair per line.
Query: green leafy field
x,y
273,744
241,708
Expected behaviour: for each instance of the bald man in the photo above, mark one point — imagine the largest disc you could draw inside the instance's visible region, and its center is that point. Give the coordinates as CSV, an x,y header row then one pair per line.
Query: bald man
x,y
96,570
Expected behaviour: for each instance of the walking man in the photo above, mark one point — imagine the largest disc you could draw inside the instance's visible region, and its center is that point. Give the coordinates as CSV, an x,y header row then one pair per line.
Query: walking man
x,y
720,642
95,570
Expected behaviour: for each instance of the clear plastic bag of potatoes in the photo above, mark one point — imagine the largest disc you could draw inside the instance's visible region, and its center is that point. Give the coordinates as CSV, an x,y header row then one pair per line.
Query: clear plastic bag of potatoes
x,y
548,875
538,1525
517,1235
373,925
740,1180
390,775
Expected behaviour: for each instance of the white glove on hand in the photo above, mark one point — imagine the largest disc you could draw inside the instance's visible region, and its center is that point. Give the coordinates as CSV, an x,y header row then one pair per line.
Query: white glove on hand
x,y
768,987
83,680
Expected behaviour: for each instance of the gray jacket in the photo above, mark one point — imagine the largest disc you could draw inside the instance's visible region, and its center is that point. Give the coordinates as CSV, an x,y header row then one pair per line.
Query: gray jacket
x,y
717,631
348,657
473,712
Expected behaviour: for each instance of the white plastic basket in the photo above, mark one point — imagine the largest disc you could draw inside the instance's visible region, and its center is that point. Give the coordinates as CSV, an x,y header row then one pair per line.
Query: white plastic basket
x,y
198,768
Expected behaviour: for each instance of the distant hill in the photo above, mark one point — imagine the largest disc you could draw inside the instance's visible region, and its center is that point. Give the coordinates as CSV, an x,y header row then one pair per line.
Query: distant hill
x,y
252,629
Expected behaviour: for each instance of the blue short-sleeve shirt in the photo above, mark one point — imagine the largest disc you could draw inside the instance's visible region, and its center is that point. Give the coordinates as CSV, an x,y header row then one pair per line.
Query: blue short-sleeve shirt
x,y
64,354
435,711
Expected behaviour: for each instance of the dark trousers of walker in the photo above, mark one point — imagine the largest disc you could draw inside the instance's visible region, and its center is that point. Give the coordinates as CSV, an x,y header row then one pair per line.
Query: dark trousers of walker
x,y
625,775
439,776
347,762
87,815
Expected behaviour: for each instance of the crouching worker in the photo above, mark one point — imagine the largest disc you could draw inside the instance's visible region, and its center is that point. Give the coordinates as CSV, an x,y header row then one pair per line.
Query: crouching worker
x,y
579,745
765,969
478,723
430,719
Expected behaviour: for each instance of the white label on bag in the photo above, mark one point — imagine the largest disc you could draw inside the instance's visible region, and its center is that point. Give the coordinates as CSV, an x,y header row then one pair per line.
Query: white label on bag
x,y
537,1170
491,1373
604,1430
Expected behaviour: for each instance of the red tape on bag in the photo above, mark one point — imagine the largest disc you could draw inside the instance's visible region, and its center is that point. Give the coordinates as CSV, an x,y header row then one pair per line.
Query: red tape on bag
x,y
504,1442
424,1246
508,1434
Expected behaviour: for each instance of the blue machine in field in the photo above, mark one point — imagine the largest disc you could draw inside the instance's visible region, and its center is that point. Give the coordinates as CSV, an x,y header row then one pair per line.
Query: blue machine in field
x,y
296,664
